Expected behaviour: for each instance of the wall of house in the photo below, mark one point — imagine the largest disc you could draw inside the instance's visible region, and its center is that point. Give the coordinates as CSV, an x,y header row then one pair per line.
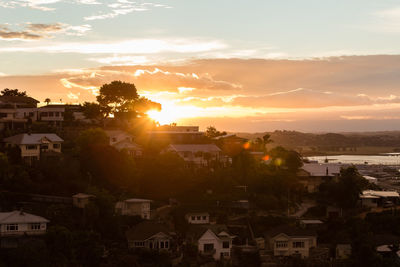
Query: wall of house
x,y
200,218
136,208
23,228
290,248
210,238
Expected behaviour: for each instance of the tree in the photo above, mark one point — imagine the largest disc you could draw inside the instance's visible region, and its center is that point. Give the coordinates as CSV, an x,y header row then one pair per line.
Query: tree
x,y
4,165
122,100
286,159
92,137
13,92
92,110
47,101
212,132
266,140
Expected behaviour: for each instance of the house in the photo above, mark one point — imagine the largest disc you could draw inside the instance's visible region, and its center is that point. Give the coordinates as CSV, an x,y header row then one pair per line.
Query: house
x,y
35,146
312,175
373,198
20,223
212,240
123,141
52,114
17,111
176,134
230,144
198,217
291,241
80,200
134,207
149,235
197,154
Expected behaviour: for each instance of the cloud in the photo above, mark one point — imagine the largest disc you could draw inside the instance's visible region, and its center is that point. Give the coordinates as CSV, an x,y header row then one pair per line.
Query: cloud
x,y
149,80
387,20
135,46
42,4
36,31
124,7
122,60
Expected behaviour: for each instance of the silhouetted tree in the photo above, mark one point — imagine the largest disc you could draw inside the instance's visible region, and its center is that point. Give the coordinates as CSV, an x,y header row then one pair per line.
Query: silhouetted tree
x,y
13,92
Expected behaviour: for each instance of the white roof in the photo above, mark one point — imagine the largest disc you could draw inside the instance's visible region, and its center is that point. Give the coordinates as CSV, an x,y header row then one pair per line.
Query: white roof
x,y
374,193
321,169
194,148
17,216
32,139
126,144
370,178
112,133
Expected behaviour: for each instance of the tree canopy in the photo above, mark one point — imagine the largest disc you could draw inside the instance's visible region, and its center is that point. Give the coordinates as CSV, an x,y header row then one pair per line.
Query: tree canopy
x,y
122,100
13,92
212,132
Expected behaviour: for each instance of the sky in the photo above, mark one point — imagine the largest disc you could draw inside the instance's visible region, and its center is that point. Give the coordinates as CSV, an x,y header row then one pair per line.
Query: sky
x,y
239,65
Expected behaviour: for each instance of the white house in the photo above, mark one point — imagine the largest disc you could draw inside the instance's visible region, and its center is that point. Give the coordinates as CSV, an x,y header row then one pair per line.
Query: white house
x,y
134,207
17,111
290,241
123,141
371,179
18,223
198,154
52,114
34,146
149,235
198,217
373,198
80,200
313,174
212,240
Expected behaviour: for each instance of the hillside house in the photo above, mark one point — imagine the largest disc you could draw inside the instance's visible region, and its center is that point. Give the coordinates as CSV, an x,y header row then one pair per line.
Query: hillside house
x,y
198,218
173,134
134,207
312,175
35,146
81,200
373,198
123,141
149,235
212,240
52,114
197,154
16,112
291,241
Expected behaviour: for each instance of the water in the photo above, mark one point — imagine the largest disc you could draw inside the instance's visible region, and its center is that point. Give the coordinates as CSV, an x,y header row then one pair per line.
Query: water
x,y
383,159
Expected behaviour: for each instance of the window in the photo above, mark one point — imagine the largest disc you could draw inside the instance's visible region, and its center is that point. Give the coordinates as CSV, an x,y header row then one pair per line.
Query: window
x,y
114,139
56,145
204,217
225,244
161,244
51,114
281,244
31,147
208,247
166,244
44,146
3,115
298,244
198,217
138,244
226,254
11,227
193,218
30,114
35,226
57,114
44,114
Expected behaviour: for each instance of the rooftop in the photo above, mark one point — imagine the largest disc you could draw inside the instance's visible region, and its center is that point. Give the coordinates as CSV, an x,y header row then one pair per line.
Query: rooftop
x,y
373,193
32,139
145,230
322,169
17,216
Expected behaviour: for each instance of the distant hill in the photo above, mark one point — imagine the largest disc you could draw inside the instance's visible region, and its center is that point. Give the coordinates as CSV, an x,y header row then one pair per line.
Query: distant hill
x,y
337,142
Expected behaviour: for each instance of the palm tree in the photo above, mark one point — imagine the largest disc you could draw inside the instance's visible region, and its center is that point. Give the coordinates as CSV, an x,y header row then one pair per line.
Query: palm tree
x,y
267,140
47,101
